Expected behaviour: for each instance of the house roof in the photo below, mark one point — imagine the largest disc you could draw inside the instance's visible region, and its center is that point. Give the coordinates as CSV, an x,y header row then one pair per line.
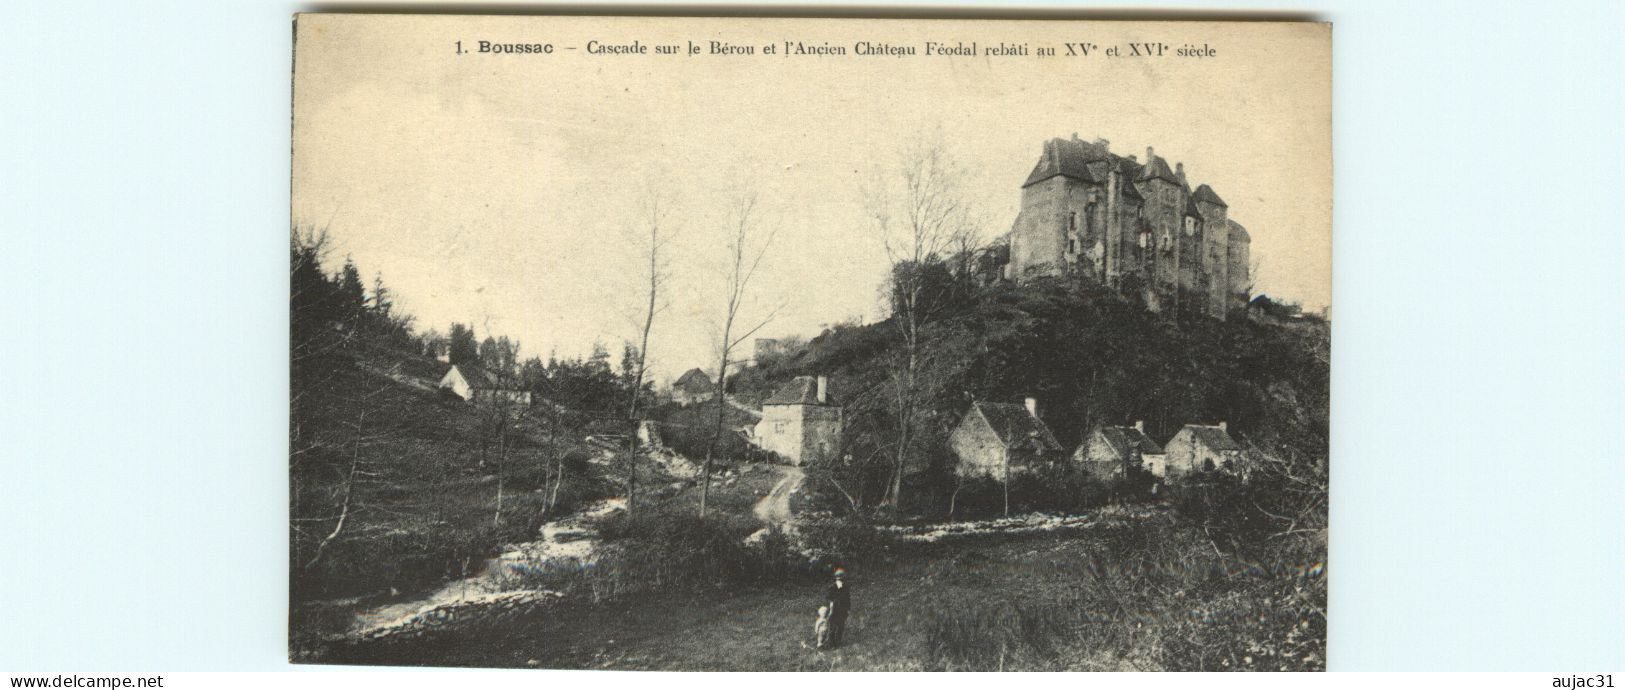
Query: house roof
x,y
1013,424
1206,193
483,380
1122,439
692,377
801,390
1212,437
1190,208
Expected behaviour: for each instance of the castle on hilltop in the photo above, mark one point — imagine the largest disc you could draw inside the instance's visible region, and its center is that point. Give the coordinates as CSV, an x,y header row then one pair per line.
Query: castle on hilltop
x,y
1136,227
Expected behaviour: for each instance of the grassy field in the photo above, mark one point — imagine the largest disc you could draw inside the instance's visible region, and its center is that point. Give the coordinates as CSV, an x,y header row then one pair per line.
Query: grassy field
x,y
1132,592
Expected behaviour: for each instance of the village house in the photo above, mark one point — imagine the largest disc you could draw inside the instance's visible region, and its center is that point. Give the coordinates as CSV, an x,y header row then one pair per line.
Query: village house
x,y
1110,451
693,387
801,422
474,384
999,440
1199,448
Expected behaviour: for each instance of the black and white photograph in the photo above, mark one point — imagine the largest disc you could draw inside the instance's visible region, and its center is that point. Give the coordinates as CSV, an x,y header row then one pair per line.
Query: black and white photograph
x,y
793,345
606,344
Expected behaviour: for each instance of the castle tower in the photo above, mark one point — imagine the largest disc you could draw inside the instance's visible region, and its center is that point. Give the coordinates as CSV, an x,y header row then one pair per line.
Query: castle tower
x,y
1136,227
1215,251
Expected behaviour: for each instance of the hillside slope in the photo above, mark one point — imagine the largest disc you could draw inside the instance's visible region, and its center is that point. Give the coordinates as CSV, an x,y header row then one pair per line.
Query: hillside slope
x,y
1090,358
423,485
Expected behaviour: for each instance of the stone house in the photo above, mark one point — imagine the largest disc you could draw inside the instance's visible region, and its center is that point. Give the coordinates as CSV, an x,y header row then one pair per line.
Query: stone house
x,y
475,384
1109,451
1134,226
1200,448
1000,440
801,422
693,387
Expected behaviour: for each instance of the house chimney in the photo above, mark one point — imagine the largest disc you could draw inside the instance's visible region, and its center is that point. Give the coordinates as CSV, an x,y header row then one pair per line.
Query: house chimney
x,y
1032,406
1224,426
1139,425
823,390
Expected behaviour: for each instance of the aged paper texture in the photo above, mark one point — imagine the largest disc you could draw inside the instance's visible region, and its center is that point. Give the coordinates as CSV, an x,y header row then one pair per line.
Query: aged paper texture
x,y
809,344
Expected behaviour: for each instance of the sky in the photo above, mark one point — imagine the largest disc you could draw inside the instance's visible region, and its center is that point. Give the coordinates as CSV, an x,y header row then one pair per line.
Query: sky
x,y
502,190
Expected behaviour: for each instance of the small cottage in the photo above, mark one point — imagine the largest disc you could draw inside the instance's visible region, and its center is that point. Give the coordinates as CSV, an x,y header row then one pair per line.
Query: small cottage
x,y
1110,451
1000,440
1200,448
801,422
693,387
474,384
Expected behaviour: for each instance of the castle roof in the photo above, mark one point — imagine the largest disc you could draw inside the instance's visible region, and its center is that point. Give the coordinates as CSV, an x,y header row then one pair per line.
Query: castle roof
x,y
1206,193
1072,158
801,390
1013,424
1157,169
1068,158
1129,190
1190,207
1238,232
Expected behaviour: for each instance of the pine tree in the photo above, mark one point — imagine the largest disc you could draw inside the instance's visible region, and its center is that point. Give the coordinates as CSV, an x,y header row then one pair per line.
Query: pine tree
x,y
463,347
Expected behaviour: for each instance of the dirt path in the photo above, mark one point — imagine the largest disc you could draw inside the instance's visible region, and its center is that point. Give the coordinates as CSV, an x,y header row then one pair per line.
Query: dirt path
x,y
764,628
774,508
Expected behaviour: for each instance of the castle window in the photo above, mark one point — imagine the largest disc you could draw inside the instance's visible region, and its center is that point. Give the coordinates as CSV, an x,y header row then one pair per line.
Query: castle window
x,y
1072,222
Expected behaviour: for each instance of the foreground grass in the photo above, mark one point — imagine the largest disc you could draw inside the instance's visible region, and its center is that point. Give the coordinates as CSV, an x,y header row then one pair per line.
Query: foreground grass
x,y
1137,594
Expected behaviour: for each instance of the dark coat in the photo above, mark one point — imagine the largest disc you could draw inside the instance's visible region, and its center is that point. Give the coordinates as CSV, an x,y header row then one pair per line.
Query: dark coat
x,y
840,600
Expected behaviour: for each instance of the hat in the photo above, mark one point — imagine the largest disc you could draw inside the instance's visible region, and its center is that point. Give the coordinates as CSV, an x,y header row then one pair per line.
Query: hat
x,y
840,572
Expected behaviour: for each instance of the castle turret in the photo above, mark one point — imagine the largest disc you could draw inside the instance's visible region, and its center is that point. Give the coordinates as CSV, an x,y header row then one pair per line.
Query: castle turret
x,y
1133,225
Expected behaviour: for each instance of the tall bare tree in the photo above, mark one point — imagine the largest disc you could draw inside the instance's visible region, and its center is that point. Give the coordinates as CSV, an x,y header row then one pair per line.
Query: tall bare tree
x,y
748,243
921,214
656,233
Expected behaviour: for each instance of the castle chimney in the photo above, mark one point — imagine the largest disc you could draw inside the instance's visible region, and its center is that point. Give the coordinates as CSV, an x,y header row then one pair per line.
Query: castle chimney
x,y
1103,144
1139,425
1179,171
1133,158
823,390
1224,426
1149,155
1074,136
1032,406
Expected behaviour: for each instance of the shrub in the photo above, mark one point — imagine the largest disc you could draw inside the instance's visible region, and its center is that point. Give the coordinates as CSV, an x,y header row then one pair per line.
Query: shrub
x,y
994,635
667,553
837,542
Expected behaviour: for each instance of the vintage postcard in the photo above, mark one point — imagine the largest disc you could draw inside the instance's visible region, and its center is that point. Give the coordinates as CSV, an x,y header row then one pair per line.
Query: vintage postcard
x,y
809,344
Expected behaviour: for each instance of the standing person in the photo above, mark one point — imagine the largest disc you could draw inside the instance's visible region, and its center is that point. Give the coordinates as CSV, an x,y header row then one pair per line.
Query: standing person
x,y
839,600
821,628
